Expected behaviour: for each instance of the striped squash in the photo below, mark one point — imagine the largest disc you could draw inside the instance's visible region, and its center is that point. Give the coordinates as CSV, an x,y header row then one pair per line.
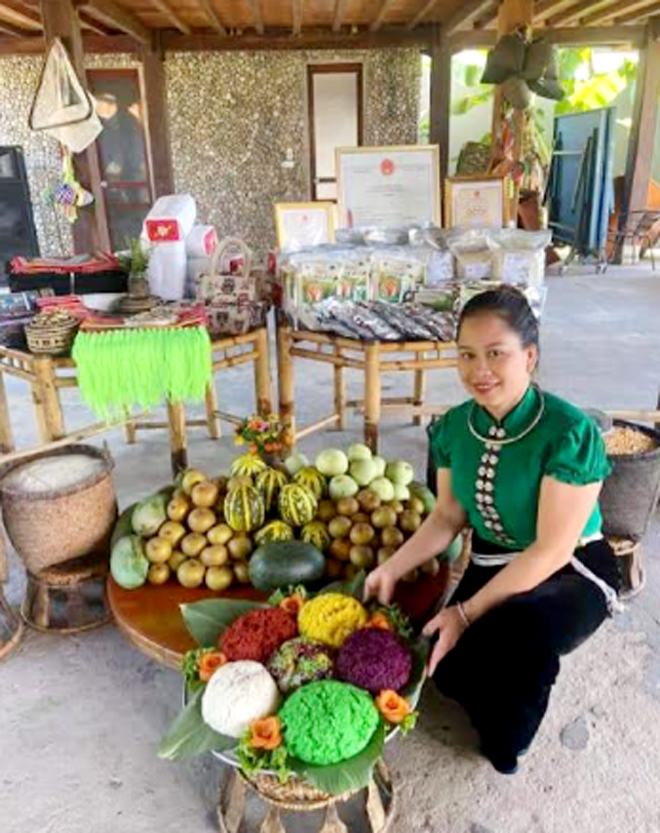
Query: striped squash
x,y
273,531
249,464
316,533
269,483
297,504
244,509
312,479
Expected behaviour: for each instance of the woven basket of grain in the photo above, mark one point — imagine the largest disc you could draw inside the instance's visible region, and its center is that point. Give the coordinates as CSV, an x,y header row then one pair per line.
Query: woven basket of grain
x,y
59,505
630,494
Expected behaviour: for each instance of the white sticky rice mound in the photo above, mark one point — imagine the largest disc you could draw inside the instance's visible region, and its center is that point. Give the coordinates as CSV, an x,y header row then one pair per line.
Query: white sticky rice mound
x,y
238,693
53,473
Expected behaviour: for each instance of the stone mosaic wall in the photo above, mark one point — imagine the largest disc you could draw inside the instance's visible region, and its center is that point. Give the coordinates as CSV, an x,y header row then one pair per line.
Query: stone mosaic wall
x,y
233,116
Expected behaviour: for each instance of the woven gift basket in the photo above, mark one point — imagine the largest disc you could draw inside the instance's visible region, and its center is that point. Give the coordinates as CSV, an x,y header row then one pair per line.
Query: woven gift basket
x,y
54,339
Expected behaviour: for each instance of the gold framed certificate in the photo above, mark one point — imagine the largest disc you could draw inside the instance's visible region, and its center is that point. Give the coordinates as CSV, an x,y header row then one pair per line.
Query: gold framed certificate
x,y
479,200
388,187
299,225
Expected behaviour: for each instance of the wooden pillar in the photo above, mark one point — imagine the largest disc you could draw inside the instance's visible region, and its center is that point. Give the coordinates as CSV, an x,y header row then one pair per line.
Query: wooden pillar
x,y
642,135
157,121
60,20
6,436
176,417
441,99
49,395
372,403
262,386
285,382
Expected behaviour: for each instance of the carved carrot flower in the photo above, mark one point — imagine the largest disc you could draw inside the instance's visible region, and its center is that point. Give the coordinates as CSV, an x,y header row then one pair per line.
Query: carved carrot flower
x,y
392,706
266,733
208,663
380,621
292,604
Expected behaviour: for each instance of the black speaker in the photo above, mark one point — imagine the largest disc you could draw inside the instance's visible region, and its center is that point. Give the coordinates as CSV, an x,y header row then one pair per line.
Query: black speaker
x,y
18,235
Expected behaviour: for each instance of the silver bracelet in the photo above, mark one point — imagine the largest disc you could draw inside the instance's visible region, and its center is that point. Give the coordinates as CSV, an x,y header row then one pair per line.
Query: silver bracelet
x,y
463,614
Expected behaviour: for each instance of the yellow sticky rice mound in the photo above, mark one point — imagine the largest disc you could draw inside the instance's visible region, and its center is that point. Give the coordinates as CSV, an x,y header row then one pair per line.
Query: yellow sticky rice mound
x,y
331,618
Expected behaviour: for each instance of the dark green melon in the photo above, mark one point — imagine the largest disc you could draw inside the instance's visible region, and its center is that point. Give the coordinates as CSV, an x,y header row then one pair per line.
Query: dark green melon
x,y
281,563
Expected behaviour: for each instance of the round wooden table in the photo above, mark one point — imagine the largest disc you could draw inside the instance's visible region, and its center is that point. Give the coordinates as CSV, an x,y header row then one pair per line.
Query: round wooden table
x,y
151,619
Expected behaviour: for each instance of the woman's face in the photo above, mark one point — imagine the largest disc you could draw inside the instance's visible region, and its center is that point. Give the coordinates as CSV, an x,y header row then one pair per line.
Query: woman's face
x,y
493,365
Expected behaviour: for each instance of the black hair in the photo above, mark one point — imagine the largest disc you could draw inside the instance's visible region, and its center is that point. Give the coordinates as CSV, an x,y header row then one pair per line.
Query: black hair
x,y
509,304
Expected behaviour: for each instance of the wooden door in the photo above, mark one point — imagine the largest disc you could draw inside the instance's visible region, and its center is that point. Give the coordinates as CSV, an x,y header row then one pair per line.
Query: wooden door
x,y
122,147
335,120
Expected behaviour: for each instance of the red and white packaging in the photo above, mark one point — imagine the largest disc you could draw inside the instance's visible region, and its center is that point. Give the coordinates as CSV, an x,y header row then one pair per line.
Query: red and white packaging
x,y
201,241
171,219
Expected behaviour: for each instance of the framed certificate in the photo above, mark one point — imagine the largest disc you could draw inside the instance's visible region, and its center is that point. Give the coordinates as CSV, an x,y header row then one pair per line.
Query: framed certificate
x,y
302,224
478,200
388,187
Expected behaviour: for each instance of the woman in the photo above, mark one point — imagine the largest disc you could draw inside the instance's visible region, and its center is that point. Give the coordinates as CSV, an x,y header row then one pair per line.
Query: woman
x,y
524,469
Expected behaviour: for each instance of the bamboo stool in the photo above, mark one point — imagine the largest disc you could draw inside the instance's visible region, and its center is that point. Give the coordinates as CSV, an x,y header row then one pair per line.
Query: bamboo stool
x,y
629,555
297,797
11,626
373,358
69,597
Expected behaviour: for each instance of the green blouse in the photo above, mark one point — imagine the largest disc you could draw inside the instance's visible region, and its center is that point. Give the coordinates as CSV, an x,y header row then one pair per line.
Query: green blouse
x,y
498,485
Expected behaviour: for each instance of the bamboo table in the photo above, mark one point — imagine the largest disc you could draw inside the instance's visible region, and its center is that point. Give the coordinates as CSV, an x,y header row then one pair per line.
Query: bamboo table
x,y
48,375
373,358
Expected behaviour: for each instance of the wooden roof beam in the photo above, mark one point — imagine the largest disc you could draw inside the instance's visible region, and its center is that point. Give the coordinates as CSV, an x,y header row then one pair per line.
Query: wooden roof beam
x,y
19,13
421,14
639,14
340,8
210,11
14,31
165,9
543,8
464,14
298,8
258,16
488,16
631,36
117,17
574,12
377,22
612,10
94,26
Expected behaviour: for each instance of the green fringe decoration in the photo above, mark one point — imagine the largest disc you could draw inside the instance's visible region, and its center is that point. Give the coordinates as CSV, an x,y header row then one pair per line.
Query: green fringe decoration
x,y
122,369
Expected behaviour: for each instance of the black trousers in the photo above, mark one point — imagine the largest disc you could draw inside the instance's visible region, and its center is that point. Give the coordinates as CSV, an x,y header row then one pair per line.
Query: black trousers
x,y
503,667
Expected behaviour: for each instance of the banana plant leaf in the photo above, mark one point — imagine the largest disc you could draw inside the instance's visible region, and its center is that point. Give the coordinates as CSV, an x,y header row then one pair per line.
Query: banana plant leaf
x,y
353,774
354,587
207,619
189,735
420,650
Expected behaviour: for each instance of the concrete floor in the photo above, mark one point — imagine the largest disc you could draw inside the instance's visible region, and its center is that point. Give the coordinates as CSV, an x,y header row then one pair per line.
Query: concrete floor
x,y
81,716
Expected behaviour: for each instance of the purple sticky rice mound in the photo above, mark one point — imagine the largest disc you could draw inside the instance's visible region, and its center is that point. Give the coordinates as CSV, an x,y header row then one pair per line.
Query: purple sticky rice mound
x,y
375,660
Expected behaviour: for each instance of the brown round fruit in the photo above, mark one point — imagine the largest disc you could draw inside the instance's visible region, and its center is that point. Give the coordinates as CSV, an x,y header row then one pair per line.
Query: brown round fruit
x,y
383,554
362,534
191,573
158,550
190,479
242,572
333,568
201,520
397,506
178,508
362,557
409,521
326,511
176,560
384,516
219,578
360,518
416,504
172,531
369,501
214,556
158,573
339,527
430,568
192,544
240,547
391,537
340,549
347,506
220,534
205,494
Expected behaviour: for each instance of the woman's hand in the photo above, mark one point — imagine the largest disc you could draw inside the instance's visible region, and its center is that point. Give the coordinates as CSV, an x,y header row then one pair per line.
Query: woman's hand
x,y
450,627
381,583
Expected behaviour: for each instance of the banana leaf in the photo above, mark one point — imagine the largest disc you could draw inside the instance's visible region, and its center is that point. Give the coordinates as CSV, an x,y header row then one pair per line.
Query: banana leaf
x,y
207,619
353,587
353,774
420,651
189,735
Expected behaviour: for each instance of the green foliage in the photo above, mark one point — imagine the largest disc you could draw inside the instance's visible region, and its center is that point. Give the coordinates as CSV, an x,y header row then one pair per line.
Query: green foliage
x,y
136,259
253,760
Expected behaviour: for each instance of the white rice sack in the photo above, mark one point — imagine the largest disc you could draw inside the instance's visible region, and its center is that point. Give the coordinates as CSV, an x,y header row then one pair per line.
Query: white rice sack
x,y
53,473
238,693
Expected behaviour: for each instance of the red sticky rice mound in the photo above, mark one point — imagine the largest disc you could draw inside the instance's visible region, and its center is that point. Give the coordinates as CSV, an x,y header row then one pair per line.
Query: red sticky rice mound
x,y
257,635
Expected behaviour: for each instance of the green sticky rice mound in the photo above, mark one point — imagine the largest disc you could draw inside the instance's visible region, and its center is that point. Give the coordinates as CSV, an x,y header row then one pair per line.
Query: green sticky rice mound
x,y
328,721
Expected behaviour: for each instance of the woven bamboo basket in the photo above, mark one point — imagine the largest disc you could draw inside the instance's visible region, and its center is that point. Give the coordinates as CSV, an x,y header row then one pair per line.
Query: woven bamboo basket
x,y
295,794
49,528
55,340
